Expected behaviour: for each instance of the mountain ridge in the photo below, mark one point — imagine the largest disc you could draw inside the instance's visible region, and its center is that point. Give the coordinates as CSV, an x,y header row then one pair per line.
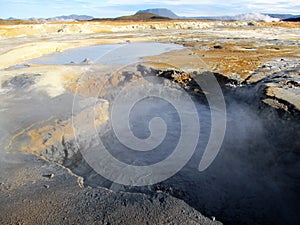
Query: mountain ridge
x,y
164,12
267,17
143,16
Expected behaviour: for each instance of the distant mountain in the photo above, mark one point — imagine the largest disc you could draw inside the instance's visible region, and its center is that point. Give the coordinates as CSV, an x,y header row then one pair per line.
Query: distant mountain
x,y
142,16
242,17
282,16
72,17
294,19
163,14
11,18
69,18
160,12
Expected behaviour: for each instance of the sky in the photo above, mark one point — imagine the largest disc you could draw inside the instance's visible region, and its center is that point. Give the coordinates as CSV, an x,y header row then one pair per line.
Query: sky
x,y
114,8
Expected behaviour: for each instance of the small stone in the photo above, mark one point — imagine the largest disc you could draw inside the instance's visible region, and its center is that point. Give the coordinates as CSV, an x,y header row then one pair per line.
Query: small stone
x,y
46,186
218,47
251,23
87,61
50,176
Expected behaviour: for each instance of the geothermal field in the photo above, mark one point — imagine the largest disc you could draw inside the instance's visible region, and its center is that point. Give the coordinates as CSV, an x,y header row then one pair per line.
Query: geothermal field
x,y
150,122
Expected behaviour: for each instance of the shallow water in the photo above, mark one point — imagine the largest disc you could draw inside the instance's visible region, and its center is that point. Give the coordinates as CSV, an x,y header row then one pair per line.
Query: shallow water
x,y
107,54
21,66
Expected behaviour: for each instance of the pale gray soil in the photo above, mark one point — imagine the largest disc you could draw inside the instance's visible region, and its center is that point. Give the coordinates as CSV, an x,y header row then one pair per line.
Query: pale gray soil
x,y
29,196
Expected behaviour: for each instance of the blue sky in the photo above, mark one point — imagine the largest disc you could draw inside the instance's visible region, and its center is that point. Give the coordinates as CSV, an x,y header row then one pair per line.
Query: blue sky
x,y
114,8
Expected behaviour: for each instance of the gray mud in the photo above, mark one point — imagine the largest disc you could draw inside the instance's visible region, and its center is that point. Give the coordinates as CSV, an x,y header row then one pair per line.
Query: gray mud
x,y
254,174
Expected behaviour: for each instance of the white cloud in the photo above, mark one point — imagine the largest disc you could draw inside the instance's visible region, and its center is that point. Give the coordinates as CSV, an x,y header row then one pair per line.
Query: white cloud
x,y
163,2
202,2
276,7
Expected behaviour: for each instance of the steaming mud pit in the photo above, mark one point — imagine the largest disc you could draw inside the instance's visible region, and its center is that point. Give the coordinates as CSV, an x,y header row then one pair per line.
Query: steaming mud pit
x,y
253,180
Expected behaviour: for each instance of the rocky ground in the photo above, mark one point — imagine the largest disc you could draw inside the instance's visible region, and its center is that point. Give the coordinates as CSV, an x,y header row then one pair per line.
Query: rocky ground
x,y
257,170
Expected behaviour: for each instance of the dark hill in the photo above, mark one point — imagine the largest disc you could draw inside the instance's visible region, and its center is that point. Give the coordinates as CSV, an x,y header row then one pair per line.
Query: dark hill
x,y
297,19
142,17
281,16
160,12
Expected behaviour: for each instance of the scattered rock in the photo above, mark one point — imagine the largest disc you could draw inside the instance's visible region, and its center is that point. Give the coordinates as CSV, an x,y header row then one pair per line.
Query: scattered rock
x,y
87,61
252,23
50,176
21,81
279,84
218,47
